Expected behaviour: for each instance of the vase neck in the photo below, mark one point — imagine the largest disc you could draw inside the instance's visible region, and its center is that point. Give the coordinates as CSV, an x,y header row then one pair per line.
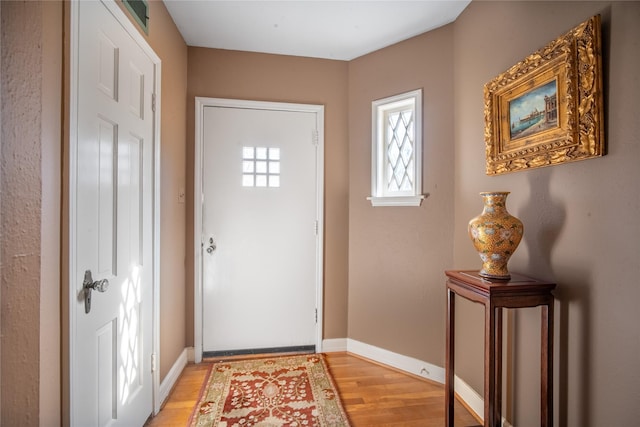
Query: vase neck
x,y
495,202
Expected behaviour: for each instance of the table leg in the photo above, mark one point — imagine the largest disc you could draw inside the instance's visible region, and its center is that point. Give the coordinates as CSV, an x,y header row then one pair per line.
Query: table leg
x,y
546,380
497,410
450,358
489,366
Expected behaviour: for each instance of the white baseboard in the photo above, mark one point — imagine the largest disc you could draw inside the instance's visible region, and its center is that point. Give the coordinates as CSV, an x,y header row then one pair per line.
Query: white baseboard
x,y
334,345
408,364
172,376
395,360
473,400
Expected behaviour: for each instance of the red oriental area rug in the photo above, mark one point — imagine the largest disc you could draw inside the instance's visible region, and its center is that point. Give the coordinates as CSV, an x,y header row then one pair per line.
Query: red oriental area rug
x,y
277,391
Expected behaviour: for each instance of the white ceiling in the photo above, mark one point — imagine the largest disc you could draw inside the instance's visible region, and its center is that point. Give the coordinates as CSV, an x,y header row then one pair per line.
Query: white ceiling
x,y
330,29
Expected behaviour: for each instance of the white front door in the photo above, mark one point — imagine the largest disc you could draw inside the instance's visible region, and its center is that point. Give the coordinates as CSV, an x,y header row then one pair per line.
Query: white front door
x,y
111,225
260,229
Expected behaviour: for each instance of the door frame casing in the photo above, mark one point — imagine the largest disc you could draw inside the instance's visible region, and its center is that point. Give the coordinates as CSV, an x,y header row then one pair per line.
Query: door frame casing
x,y
71,171
200,104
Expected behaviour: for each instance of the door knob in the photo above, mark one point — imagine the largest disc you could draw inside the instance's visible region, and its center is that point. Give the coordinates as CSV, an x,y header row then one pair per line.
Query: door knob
x,y
89,285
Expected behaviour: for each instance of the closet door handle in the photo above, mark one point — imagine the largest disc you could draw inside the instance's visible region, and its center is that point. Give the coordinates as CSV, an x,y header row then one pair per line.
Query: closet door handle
x,y
89,285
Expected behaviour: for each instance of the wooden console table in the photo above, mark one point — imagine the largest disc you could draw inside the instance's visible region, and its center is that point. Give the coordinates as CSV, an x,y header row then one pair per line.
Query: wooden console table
x,y
518,292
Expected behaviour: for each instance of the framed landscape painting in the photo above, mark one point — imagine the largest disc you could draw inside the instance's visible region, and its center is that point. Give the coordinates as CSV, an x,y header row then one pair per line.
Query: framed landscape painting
x,y
534,111
547,109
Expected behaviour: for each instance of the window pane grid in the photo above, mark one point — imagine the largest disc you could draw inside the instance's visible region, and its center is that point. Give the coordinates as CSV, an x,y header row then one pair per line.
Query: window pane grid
x,y
400,150
260,167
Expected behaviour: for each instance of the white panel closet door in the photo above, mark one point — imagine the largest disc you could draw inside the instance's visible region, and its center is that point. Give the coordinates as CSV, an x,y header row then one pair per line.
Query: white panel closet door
x,y
111,372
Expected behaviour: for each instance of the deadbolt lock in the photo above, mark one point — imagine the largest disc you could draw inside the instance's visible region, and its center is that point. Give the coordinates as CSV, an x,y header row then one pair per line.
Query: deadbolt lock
x,y
212,246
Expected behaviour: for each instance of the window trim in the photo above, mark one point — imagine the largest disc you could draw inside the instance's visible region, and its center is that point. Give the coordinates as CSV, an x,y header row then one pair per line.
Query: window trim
x,y
379,110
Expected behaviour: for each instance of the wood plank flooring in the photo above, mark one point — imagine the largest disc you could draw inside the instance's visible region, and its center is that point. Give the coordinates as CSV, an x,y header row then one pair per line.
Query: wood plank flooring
x,y
372,395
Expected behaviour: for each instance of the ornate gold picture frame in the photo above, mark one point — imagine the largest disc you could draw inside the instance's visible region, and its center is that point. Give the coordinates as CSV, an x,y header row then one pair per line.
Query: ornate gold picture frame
x,y
547,109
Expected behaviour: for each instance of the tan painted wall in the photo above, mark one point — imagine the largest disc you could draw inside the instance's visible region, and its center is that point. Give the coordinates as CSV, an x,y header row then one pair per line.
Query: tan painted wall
x,y
397,254
32,126
21,211
243,75
32,93
168,44
581,219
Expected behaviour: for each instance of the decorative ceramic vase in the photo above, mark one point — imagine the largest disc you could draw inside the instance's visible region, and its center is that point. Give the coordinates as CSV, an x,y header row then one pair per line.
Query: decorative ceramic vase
x,y
495,234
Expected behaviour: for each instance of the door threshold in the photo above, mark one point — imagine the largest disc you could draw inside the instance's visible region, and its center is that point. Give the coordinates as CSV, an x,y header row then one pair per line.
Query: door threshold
x,y
210,356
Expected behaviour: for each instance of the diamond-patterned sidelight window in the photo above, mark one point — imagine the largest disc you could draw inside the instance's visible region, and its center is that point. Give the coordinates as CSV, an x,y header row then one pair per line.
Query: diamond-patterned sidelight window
x,y
260,167
396,150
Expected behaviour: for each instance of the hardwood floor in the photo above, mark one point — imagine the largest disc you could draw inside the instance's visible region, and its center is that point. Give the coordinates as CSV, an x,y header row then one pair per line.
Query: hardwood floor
x,y
183,398
372,395
376,395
